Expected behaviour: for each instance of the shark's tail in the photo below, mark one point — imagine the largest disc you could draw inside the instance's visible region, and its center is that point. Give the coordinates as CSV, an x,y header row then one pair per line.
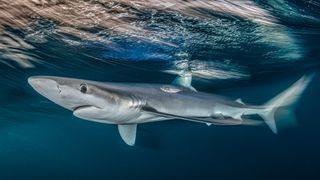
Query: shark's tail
x,y
284,104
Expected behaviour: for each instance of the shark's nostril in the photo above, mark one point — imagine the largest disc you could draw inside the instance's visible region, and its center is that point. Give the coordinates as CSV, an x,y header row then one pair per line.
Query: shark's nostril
x,y
59,89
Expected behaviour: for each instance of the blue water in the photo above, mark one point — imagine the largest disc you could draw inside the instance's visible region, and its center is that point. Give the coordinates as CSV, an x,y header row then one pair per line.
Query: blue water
x,y
248,56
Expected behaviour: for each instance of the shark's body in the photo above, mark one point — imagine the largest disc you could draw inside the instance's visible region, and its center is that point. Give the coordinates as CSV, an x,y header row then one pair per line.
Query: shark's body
x,y
128,104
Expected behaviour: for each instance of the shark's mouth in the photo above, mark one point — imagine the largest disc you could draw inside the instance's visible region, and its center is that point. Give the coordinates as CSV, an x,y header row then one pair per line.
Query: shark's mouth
x,y
83,107
88,112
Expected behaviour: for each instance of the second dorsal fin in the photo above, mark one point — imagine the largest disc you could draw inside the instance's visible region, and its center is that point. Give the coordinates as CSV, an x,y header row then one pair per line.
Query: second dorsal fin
x,y
239,100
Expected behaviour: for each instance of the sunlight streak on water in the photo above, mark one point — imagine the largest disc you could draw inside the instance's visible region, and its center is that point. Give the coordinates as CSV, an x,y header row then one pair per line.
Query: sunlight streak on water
x,y
210,33
13,48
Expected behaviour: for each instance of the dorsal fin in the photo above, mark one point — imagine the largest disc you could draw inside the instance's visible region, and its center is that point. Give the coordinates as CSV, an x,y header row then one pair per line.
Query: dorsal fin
x,y
184,80
128,133
239,100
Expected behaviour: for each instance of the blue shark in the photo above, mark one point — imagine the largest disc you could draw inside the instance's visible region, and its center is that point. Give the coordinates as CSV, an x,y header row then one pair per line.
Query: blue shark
x,y
129,104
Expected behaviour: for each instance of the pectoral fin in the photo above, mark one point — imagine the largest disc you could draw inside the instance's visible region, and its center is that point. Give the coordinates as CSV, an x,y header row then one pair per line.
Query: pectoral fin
x,y
128,133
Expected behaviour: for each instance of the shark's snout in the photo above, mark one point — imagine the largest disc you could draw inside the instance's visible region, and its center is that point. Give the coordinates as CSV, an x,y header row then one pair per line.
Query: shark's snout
x,y
36,81
45,86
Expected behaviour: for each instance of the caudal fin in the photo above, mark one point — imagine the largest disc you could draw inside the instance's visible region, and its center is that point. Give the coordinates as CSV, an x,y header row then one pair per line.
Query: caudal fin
x,y
285,103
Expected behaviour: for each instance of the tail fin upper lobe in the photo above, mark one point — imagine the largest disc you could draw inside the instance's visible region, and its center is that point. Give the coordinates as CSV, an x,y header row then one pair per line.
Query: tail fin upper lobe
x,y
286,101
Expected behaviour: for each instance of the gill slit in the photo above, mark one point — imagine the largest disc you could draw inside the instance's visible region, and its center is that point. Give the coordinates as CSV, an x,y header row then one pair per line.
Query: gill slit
x,y
137,102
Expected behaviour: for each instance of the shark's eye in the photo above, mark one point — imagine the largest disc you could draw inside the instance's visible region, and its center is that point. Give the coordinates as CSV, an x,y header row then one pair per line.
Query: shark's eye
x,y
83,88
